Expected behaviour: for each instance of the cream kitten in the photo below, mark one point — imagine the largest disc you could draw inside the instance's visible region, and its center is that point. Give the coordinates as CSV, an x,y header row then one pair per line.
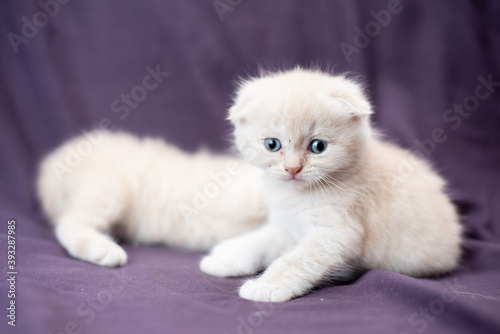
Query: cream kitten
x,y
335,194
146,191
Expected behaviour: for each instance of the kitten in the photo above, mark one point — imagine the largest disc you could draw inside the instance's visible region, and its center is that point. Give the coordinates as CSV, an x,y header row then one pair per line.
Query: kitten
x,y
335,194
146,191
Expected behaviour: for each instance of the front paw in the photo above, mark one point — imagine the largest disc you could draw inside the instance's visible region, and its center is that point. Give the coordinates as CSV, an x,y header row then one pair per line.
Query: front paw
x,y
266,291
232,258
226,265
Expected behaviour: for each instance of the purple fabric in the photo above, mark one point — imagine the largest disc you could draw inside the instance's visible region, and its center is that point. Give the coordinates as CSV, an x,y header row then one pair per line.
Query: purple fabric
x,y
422,59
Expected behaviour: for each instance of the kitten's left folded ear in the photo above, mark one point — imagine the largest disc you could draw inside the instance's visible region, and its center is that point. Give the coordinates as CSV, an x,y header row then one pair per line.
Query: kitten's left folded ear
x,y
360,111
351,96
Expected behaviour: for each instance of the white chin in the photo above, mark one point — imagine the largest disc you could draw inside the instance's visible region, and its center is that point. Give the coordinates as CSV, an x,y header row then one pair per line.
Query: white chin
x,y
287,180
295,182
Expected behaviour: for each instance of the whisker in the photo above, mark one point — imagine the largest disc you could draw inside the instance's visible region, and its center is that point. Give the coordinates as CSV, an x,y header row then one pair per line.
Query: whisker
x,y
309,185
320,188
327,188
343,170
334,182
324,187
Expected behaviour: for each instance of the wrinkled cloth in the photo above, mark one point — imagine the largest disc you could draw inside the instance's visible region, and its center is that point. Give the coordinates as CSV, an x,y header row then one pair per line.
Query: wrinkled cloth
x,y
167,69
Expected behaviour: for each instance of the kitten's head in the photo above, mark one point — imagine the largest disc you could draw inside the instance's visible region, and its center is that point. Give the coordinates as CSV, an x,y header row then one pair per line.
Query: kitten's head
x,y
301,125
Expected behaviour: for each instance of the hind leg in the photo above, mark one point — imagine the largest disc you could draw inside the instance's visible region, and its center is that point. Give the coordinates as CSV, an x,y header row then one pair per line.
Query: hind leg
x,y
86,242
82,228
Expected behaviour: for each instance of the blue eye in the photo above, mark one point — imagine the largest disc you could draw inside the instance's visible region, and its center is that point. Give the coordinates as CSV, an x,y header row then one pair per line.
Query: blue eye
x,y
317,146
272,144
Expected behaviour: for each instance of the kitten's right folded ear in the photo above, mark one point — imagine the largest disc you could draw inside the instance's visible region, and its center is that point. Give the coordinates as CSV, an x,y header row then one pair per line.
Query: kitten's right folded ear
x,y
246,93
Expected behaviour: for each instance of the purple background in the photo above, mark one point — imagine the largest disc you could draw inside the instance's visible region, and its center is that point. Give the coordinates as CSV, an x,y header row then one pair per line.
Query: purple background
x,y
64,79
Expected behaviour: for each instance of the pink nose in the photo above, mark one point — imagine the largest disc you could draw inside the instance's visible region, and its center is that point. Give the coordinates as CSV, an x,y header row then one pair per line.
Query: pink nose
x,y
293,170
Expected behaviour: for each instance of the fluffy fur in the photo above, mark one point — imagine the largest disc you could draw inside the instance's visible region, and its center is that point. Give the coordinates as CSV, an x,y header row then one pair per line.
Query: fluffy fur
x,y
350,205
146,191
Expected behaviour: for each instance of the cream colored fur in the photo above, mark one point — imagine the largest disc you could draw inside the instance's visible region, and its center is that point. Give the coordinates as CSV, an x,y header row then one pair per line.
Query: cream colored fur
x,y
146,191
348,206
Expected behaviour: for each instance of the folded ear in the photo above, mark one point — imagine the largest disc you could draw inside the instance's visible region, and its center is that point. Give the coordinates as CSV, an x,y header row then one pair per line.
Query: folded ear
x,y
350,94
359,111
246,92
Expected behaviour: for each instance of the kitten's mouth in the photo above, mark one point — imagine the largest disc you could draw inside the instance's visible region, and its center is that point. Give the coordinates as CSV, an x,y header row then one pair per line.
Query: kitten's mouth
x,y
294,179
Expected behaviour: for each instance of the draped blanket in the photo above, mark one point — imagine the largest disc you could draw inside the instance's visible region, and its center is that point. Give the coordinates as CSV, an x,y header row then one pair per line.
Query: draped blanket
x,y
167,69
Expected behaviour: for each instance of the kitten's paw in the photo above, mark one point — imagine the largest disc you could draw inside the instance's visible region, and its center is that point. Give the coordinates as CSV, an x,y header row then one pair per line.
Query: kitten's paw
x,y
107,255
261,291
231,258
226,266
